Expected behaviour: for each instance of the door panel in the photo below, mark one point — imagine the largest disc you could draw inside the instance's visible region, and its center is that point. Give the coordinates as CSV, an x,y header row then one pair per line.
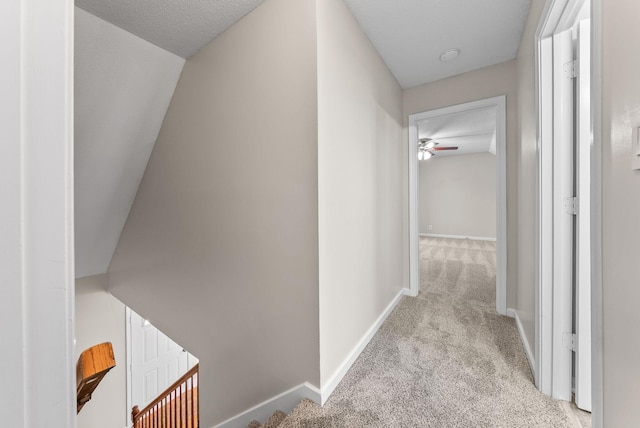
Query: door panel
x,y
150,386
583,227
563,218
150,344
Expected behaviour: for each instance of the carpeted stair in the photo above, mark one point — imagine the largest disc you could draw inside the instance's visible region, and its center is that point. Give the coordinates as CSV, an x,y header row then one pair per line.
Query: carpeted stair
x,y
301,415
274,421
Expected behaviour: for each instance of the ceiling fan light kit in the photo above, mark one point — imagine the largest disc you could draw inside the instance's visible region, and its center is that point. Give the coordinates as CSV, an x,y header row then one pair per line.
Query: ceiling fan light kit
x,y
425,154
425,148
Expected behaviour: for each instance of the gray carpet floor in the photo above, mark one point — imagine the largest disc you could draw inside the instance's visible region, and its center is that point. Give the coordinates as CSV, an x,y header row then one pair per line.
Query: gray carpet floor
x,y
442,359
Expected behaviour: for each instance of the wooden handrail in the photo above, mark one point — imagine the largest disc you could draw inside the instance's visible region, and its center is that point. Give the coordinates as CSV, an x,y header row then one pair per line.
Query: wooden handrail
x,y
93,364
170,409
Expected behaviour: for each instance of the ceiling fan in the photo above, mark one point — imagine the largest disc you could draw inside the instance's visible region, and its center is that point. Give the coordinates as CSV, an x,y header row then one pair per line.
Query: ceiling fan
x,y
427,148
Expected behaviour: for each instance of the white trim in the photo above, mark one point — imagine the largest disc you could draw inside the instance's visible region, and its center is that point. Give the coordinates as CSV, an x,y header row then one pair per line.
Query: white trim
x,y
414,241
499,103
525,344
583,222
37,246
511,313
544,218
333,382
409,292
127,335
285,402
544,201
551,374
563,223
501,202
473,238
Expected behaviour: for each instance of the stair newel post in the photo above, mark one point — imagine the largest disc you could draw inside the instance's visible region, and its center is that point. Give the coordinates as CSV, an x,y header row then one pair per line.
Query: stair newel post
x,y
134,412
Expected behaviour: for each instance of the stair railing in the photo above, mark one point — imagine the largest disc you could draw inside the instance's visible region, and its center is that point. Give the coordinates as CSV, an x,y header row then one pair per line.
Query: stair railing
x,y
175,407
94,363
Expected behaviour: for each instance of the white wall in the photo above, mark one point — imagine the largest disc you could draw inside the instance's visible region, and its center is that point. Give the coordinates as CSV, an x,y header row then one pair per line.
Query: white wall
x,y
220,249
620,212
527,175
12,315
100,317
123,86
36,219
500,79
359,185
457,195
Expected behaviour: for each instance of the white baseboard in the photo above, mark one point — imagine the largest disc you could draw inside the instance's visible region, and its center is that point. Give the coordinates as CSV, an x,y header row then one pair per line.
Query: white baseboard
x,y
511,313
289,399
409,292
525,343
473,238
285,401
328,389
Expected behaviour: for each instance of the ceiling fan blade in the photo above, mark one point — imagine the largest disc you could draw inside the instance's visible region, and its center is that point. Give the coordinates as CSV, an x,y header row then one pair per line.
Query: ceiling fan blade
x,y
446,148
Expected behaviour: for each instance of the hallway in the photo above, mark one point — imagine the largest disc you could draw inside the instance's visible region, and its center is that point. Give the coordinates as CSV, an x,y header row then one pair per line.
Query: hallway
x,y
443,359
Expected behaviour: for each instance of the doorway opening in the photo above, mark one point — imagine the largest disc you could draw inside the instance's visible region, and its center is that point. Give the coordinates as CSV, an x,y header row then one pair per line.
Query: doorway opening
x,y
423,127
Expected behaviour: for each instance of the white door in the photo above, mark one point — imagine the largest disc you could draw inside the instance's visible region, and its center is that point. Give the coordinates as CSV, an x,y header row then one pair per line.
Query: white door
x,y
563,321
563,213
583,226
156,361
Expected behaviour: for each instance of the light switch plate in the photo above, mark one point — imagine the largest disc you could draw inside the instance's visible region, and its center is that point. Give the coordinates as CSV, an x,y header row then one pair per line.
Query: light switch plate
x,y
635,150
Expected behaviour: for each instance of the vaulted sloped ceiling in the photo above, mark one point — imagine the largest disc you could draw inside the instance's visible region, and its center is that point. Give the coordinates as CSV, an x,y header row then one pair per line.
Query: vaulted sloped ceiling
x,y
409,35
123,86
181,27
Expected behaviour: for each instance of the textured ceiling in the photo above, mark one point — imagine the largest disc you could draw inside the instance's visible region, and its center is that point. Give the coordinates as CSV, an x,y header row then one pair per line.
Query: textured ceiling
x,y
410,34
179,26
472,131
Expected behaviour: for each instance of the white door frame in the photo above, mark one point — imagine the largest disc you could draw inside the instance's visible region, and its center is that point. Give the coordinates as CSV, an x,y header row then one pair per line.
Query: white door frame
x,y
583,225
499,103
37,314
127,334
558,16
552,358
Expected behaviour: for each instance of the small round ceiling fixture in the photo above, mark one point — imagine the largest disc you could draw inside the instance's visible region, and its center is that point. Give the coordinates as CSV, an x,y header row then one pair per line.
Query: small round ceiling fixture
x,y
449,55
